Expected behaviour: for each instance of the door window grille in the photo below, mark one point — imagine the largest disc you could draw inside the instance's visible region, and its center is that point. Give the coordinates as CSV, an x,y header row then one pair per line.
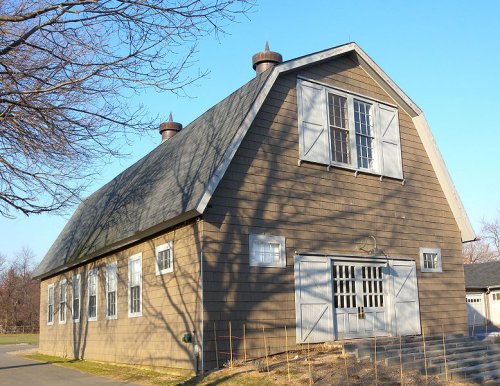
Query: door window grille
x,y
344,286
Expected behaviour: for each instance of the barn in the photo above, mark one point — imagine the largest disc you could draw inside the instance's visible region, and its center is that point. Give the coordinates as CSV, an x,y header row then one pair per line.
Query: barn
x,y
313,197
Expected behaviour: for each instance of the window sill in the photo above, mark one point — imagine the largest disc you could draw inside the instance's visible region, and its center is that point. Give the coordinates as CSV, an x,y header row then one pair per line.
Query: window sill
x,y
92,319
137,315
355,170
164,271
111,317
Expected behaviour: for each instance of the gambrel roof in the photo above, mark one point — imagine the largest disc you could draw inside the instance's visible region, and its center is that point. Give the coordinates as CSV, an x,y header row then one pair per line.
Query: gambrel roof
x,y
175,182
482,276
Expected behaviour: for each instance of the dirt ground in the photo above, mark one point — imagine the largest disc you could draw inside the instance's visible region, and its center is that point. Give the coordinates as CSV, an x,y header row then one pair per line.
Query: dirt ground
x,y
321,366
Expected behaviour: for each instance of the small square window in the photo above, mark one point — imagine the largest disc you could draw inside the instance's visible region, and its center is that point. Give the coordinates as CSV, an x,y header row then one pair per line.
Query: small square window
x,y
430,260
164,258
267,251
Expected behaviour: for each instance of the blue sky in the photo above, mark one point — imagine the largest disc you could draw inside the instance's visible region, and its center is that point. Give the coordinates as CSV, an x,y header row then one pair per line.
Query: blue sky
x,y
444,54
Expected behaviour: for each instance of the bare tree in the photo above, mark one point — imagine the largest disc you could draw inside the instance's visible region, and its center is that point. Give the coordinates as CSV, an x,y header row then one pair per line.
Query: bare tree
x,y
477,252
491,234
20,294
68,70
487,247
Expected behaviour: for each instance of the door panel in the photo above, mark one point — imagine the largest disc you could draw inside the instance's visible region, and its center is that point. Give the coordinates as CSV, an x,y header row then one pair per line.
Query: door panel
x,y
406,304
476,313
313,299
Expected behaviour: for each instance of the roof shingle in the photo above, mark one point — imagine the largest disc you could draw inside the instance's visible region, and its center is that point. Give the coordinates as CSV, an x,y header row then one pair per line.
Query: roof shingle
x,y
166,184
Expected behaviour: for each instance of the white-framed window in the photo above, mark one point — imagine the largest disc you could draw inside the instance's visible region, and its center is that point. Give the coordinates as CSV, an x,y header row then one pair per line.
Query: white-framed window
x,y
164,258
76,291
62,301
339,128
430,260
267,251
111,290
135,285
50,304
92,295
495,296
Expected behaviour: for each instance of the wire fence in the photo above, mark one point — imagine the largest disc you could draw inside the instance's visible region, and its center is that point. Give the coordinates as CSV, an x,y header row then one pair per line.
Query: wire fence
x,y
19,329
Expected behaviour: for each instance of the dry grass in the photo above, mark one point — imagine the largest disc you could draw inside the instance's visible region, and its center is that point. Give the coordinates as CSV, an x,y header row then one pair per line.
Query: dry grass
x,y
325,365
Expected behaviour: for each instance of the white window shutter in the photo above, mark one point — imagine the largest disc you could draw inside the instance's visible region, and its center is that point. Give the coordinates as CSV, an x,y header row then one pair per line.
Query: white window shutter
x,y
313,131
390,144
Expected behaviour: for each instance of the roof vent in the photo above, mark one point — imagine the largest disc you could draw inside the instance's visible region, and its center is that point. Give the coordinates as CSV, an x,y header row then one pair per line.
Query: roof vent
x,y
169,129
261,61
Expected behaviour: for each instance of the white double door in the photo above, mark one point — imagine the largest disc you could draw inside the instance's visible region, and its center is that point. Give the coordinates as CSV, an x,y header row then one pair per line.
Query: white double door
x,y
360,299
343,299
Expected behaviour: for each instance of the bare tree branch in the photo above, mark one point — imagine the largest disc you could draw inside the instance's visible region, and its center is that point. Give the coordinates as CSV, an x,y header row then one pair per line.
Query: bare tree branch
x,y
67,69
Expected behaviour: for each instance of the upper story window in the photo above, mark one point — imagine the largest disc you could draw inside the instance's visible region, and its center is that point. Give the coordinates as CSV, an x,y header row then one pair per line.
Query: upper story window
x,y
430,260
62,301
164,258
92,295
76,297
111,290
342,129
267,251
135,285
50,304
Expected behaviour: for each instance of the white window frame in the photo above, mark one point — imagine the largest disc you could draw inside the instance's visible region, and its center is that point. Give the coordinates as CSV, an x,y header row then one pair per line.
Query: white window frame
x,y
255,241
437,252
112,268
131,260
93,272
50,312
63,305
78,297
164,247
376,105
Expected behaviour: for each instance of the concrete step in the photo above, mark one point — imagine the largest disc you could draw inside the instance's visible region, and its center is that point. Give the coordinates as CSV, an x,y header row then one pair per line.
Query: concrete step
x,y
364,348
431,351
467,358
435,355
476,372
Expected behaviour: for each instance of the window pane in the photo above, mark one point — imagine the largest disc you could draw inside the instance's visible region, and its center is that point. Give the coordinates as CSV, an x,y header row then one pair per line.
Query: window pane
x,y
135,296
339,133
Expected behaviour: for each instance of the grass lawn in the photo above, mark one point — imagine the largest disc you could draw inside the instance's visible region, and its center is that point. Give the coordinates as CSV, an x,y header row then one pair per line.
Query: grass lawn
x,y
18,338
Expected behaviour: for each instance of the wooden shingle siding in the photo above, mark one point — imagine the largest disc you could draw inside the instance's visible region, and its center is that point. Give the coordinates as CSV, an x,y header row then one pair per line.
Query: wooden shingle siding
x,y
265,191
171,306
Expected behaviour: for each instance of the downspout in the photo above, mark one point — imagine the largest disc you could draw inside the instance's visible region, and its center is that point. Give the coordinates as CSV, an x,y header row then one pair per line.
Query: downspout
x,y
202,305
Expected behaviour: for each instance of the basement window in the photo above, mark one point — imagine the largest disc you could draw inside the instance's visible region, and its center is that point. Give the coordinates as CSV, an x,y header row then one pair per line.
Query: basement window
x,y
267,251
164,258
50,304
135,285
430,260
